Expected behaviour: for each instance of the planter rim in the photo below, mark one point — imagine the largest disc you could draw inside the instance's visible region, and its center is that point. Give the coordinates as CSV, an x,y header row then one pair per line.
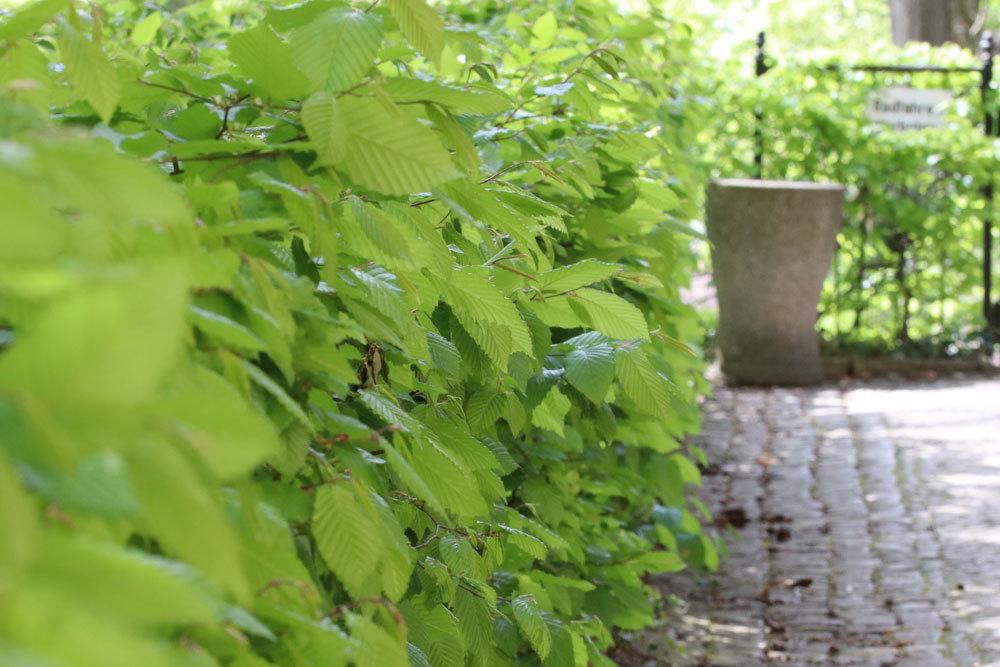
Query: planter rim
x,y
759,184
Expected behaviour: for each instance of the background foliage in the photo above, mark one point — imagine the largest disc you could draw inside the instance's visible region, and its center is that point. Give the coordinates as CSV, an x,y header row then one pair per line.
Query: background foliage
x,y
913,231
338,333
817,28
908,273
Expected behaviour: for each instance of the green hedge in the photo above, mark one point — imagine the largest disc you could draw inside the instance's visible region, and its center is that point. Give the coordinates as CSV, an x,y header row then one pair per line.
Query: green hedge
x,y
337,334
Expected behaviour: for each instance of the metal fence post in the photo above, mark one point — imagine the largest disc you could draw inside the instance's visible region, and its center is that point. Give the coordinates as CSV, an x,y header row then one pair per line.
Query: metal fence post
x,y
760,69
989,129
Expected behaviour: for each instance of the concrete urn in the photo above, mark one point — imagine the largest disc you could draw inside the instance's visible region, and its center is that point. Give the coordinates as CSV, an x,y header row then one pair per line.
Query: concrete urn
x,y
772,245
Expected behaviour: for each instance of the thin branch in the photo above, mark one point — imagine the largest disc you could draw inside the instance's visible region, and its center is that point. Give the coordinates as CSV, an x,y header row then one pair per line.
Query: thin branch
x,y
579,68
225,123
181,91
470,589
348,91
379,600
213,157
513,270
501,254
274,584
225,113
508,168
425,543
309,488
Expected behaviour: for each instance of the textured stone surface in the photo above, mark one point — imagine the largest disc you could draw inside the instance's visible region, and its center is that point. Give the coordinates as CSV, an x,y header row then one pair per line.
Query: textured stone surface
x,y
772,244
874,532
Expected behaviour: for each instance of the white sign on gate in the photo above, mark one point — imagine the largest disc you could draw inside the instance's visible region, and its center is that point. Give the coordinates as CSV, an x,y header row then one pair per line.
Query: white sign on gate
x,y
909,108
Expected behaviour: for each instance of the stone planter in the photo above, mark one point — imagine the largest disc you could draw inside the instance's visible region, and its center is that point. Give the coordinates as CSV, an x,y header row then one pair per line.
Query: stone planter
x,y
772,244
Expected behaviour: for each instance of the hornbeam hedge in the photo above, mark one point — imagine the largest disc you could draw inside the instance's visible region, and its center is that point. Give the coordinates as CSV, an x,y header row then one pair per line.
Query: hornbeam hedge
x,y
341,334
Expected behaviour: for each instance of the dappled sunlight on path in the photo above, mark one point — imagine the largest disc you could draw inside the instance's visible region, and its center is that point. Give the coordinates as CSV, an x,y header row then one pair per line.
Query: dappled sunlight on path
x,y
864,529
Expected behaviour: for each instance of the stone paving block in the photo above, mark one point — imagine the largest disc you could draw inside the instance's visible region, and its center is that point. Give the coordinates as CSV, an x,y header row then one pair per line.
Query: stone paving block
x,y
873,534
928,658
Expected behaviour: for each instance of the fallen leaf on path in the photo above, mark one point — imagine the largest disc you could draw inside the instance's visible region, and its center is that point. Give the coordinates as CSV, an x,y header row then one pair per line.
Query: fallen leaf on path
x,y
765,460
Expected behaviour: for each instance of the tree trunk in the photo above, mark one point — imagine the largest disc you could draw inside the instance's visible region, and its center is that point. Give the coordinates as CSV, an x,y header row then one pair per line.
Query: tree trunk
x,y
935,21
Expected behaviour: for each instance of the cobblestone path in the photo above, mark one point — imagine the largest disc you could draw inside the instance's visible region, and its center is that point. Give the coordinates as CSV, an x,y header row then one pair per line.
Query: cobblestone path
x,y
865,529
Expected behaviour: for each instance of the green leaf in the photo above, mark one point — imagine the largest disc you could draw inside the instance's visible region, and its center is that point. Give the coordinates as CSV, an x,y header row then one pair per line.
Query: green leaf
x,y
473,100
387,410
450,481
225,329
207,412
590,366
396,565
122,581
444,355
264,380
658,562
503,457
475,619
30,18
471,292
456,138
336,49
108,344
416,657
447,648
90,72
451,431
344,536
99,484
460,557
612,315
529,620
545,499
197,122
605,65
562,653
640,279
172,495
390,152
262,56
494,341
381,236
581,274
421,25
642,383
544,29
325,127
245,228
411,479
484,408
378,647
434,629
551,413
660,196
529,544
19,530
145,30
384,294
